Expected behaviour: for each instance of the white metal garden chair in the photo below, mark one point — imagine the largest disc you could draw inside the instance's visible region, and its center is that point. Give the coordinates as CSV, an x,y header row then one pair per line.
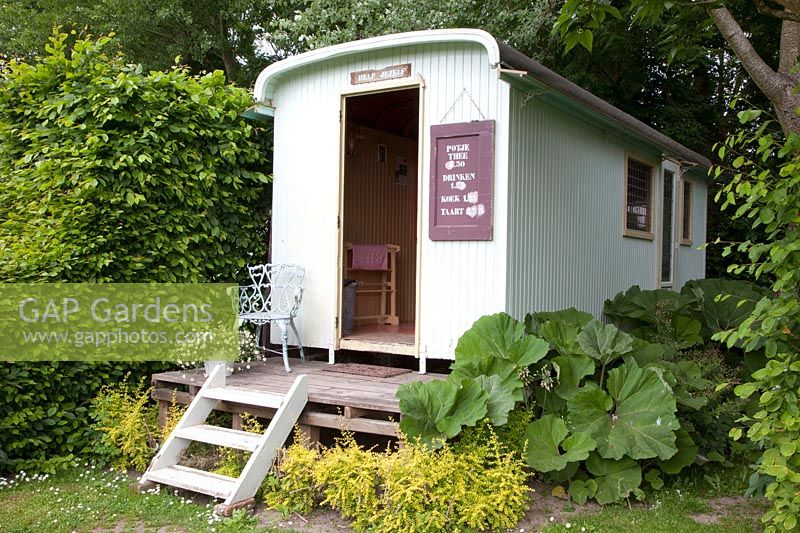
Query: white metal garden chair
x,y
274,296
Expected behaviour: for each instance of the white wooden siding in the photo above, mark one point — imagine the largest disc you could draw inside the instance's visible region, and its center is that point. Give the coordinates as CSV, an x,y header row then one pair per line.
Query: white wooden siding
x,y
460,281
566,215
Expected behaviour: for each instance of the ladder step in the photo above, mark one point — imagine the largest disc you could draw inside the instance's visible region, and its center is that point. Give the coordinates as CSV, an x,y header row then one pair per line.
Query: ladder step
x,y
219,436
195,480
246,397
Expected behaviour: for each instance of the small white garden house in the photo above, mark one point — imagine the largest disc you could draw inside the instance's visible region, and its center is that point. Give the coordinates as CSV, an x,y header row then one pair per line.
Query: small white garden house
x,y
453,177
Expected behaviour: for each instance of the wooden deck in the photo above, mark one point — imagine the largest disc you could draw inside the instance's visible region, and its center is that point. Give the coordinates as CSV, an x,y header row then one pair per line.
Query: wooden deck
x,y
362,404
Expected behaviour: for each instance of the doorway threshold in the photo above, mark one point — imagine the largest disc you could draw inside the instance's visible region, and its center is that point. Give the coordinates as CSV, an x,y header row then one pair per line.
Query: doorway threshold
x,y
381,338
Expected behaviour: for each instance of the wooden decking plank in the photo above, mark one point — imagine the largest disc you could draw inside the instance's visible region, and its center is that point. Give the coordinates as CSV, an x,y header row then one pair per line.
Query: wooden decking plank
x,y
194,480
327,388
220,436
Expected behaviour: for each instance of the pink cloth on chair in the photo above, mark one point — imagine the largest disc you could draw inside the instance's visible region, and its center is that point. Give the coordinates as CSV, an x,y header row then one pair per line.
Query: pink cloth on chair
x,y
370,257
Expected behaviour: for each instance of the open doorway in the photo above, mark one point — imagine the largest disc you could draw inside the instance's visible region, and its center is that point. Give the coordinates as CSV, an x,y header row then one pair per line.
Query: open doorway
x,y
379,221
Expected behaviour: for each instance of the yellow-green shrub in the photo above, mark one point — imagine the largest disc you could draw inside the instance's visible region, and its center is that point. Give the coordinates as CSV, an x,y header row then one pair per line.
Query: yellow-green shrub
x,y
348,479
291,489
129,424
476,487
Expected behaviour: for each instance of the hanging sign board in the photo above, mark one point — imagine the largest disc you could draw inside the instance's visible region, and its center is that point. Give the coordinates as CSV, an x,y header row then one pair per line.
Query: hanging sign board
x,y
388,73
462,179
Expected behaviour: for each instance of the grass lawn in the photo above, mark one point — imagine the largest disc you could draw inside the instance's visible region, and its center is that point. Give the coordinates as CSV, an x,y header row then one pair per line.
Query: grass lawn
x,y
697,502
671,512
93,499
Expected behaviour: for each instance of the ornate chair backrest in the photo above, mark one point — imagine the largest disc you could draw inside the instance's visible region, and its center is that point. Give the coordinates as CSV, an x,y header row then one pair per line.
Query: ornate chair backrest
x,y
276,289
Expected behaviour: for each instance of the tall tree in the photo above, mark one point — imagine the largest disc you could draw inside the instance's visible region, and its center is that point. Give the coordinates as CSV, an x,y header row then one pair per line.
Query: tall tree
x,y
206,34
776,77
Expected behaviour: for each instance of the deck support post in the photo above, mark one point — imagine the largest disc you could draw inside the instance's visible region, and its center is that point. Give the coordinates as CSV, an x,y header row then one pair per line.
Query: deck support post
x,y
331,355
163,413
227,510
310,433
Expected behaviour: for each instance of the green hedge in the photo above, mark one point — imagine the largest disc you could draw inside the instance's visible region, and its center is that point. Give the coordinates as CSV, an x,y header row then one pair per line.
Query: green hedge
x,y
112,174
44,411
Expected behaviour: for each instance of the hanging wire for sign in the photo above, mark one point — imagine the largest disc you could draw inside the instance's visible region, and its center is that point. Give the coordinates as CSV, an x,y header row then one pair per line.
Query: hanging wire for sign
x,y
460,96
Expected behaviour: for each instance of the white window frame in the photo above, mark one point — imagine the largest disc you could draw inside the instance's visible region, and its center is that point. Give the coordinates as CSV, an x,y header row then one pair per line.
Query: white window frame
x,y
673,226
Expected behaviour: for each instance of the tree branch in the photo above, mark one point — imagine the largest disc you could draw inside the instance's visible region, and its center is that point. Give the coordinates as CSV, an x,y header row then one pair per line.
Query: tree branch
x,y
783,14
771,83
789,5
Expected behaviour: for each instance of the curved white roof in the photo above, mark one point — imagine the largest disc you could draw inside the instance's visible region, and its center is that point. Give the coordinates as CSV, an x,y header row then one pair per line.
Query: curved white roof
x,y
499,53
267,80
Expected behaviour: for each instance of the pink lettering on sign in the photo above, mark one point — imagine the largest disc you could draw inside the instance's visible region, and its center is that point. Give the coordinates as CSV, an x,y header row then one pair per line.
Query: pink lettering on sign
x,y
462,179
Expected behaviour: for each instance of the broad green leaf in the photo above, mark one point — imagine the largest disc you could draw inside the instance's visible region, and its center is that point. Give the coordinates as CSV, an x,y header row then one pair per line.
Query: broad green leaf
x,y
589,412
686,331
636,417
581,490
549,401
644,353
689,386
500,400
653,476
723,304
527,351
476,367
470,406
490,336
685,456
547,437
604,342
616,479
639,305
571,369
571,316
437,410
563,475
561,336
500,336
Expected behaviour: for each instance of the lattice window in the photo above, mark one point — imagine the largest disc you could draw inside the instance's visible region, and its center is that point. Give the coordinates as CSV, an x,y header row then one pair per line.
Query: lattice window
x,y
686,214
639,199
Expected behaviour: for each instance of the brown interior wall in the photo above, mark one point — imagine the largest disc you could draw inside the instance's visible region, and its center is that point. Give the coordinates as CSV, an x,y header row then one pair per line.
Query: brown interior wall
x,y
378,211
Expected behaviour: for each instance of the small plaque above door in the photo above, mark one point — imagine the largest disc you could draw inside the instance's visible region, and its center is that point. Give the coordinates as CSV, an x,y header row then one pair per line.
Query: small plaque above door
x,y
388,73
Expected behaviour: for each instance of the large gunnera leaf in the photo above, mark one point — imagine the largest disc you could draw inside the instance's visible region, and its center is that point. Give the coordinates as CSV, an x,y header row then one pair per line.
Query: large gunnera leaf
x,y
437,410
547,437
499,399
604,342
687,452
505,371
581,490
616,479
500,336
635,418
645,353
562,337
638,305
571,316
723,304
570,370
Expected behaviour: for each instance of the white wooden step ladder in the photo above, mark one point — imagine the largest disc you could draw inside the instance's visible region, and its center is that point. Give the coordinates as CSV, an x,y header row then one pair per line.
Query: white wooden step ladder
x,y
236,492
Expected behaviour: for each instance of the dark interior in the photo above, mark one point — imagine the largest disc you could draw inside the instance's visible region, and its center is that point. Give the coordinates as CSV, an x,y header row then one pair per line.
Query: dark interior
x,y
395,112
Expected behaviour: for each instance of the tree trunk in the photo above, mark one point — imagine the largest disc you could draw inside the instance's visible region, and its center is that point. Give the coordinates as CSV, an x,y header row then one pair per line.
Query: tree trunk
x,y
778,85
228,59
